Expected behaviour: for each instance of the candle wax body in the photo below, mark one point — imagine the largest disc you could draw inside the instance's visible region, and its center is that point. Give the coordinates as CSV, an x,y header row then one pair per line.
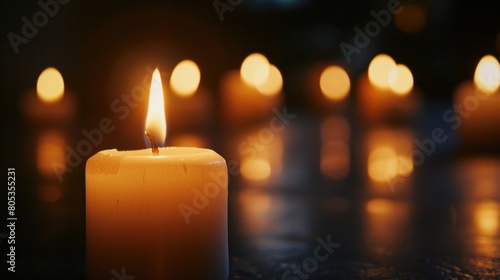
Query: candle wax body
x,y
380,106
157,217
478,118
243,104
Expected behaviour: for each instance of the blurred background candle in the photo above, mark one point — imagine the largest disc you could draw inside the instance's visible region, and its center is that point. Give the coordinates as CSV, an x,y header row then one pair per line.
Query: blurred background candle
x,y
389,161
328,89
386,93
477,108
51,102
250,95
190,106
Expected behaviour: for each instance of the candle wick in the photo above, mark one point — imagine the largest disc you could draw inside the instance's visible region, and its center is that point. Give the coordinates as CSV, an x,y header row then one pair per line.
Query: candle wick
x,y
154,146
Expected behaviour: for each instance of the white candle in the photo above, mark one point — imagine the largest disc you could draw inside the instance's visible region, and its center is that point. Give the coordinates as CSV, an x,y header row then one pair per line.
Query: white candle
x,y
158,216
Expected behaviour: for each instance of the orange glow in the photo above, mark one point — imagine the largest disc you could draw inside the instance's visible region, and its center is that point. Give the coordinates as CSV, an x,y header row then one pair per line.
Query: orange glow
x,y
256,169
255,69
411,19
487,217
389,155
50,193
50,85
400,80
386,224
50,149
156,122
255,208
379,69
185,78
379,206
382,164
273,82
334,83
335,153
487,75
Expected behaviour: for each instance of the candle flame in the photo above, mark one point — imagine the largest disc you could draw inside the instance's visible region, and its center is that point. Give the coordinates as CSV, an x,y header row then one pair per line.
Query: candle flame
x,y
50,85
487,75
334,83
400,80
185,78
156,123
379,69
255,69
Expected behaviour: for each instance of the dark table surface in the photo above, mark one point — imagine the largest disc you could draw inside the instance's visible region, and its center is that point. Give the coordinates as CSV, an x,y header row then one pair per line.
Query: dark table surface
x,y
437,220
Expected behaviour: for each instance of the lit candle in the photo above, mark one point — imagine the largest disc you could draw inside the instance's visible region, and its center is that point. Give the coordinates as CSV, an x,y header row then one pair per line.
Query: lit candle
x,y
251,94
476,108
386,92
52,102
190,106
329,87
157,213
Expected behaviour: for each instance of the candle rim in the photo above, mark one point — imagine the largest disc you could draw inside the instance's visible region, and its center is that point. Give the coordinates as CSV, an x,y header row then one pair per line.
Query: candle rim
x,y
164,152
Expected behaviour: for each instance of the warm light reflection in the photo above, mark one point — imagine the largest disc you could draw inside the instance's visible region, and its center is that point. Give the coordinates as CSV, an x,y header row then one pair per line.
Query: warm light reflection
x,y
261,161
255,69
256,169
273,82
50,149
412,18
386,223
335,153
487,217
382,164
50,192
156,122
389,155
334,83
487,75
379,206
379,69
185,78
479,178
400,80
50,85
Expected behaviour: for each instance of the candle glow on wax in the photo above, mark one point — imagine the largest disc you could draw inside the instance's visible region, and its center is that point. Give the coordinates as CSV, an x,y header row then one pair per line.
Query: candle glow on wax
x,y
156,123
487,75
50,85
185,78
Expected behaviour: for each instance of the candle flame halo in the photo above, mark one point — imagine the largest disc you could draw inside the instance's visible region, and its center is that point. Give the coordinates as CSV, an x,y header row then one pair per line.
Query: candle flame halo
x,y
50,85
185,78
379,69
156,123
400,80
335,83
487,75
254,69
